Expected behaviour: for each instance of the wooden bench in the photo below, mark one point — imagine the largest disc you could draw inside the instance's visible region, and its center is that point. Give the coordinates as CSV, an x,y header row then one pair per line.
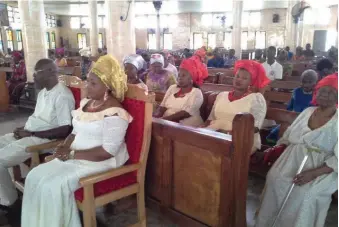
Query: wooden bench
x,y
284,85
4,96
198,177
276,99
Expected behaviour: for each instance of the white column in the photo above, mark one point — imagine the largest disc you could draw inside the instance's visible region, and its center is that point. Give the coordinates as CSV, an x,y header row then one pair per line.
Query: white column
x,y
236,32
291,27
127,41
93,31
120,35
157,31
33,21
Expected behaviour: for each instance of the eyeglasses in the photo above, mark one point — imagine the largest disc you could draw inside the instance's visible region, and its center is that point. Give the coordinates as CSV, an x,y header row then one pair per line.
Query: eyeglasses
x,y
40,70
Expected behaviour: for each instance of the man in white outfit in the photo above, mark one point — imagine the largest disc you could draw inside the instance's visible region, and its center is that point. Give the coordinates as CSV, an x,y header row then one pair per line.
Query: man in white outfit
x,y
168,66
274,71
51,120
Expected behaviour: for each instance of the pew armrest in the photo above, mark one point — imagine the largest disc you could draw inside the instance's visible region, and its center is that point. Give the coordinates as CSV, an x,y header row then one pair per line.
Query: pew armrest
x,y
90,180
44,146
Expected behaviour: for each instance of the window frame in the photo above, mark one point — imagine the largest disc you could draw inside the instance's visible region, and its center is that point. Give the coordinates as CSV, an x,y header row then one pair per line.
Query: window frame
x,y
202,39
48,40
208,40
10,43
18,34
164,47
100,40
82,41
53,41
148,41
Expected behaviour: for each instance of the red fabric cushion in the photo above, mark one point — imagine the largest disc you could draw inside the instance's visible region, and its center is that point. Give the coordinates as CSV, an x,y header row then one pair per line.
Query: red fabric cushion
x,y
77,95
134,138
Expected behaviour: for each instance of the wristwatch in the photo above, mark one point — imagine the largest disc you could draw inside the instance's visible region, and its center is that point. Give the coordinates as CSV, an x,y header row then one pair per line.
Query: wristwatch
x,y
71,154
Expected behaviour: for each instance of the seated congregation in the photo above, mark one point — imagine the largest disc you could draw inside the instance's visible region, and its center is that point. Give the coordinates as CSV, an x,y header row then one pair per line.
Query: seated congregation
x,y
107,135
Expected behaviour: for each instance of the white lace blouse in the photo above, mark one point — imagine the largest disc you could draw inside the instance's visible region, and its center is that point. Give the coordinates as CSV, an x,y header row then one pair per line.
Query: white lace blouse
x,y
106,128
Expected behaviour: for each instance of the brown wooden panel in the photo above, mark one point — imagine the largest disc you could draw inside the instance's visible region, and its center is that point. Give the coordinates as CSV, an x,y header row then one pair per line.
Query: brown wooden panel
x,y
196,193
288,85
4,96
154,168
215,87
277,96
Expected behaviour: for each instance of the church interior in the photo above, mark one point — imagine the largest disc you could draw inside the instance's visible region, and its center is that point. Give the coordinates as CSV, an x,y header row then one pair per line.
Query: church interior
x,y
169,113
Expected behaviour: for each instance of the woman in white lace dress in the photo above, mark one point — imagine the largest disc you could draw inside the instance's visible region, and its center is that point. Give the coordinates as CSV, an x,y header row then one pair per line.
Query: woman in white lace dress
x,y
96,144
249,75
182,101
314,132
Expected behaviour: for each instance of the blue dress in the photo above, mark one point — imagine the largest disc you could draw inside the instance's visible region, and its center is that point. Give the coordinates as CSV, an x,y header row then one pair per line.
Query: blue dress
x,y
298,103
216,63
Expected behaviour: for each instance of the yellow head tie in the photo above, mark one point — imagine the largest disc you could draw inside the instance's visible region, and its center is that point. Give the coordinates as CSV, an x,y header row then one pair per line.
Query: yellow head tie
x,y
108,69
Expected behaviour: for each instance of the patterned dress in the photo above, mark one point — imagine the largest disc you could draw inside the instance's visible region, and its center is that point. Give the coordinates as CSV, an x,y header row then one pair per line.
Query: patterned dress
x,y
160,82
307,204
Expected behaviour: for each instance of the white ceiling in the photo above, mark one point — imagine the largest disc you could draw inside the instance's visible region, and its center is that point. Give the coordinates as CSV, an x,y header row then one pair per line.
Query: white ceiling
x,y
80,7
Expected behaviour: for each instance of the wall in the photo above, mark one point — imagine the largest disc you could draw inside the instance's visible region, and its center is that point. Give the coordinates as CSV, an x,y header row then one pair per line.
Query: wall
x,y
70,35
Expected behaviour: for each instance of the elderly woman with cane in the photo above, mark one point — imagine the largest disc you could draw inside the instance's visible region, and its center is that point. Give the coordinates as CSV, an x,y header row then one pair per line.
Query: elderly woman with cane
x,y
300,183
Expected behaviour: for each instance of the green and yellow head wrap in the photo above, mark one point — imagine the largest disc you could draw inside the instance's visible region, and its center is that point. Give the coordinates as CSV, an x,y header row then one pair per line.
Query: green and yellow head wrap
x,y
108,69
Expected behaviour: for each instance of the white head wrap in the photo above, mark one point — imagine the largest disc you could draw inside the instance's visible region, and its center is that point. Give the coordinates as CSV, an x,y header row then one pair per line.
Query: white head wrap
x,y
157,58
85,52
136,60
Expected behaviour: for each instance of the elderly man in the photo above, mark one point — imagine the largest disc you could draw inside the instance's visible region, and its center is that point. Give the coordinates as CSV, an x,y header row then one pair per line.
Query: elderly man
x,y
51,120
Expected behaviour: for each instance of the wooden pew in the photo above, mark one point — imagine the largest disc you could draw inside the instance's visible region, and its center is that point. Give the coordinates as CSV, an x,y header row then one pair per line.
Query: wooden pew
x,y
215,87
198,177
285,85
4,96
277,99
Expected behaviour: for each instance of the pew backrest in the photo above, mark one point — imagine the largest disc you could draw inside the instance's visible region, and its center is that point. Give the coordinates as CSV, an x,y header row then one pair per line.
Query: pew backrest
x,y
286,85
283,117
277,99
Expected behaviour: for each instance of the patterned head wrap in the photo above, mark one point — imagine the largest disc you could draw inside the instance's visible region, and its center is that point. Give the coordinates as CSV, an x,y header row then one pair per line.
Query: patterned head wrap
x,y
331,80
201,53
157,58
17,54
196,68
110,73
257,71
85,52
135,60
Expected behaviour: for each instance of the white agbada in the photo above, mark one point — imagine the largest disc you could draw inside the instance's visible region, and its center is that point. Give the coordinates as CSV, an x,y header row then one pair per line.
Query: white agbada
x,y
49,188
308,204
224,111
190,103
53,109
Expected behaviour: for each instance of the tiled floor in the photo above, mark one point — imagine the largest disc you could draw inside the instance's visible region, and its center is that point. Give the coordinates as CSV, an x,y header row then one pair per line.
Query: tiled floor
x,y
255,185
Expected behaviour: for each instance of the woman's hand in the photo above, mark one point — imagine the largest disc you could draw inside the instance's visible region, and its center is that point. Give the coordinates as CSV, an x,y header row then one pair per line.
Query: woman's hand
x,y
62,152
305,177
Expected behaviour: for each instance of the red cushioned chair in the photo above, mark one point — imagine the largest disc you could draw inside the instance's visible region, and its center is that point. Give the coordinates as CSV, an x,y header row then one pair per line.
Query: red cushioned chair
x,y
78,89
103,188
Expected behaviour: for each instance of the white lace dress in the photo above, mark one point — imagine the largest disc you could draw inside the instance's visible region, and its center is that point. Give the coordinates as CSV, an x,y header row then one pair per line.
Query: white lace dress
x,y
308,204
49,188
190,103
224,111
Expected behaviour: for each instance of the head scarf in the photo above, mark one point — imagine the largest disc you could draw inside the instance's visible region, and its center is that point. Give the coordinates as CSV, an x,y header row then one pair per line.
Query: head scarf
x,y
110,73
135,60
196,68
85,52
17,54
257,71
201,53
60,51
157,58
331,80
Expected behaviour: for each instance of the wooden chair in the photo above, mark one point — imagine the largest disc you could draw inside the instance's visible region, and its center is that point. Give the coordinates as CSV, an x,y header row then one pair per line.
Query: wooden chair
x,y
4,96
103,188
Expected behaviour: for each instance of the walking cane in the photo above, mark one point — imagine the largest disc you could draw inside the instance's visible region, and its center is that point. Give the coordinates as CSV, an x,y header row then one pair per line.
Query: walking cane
x,y
290,191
